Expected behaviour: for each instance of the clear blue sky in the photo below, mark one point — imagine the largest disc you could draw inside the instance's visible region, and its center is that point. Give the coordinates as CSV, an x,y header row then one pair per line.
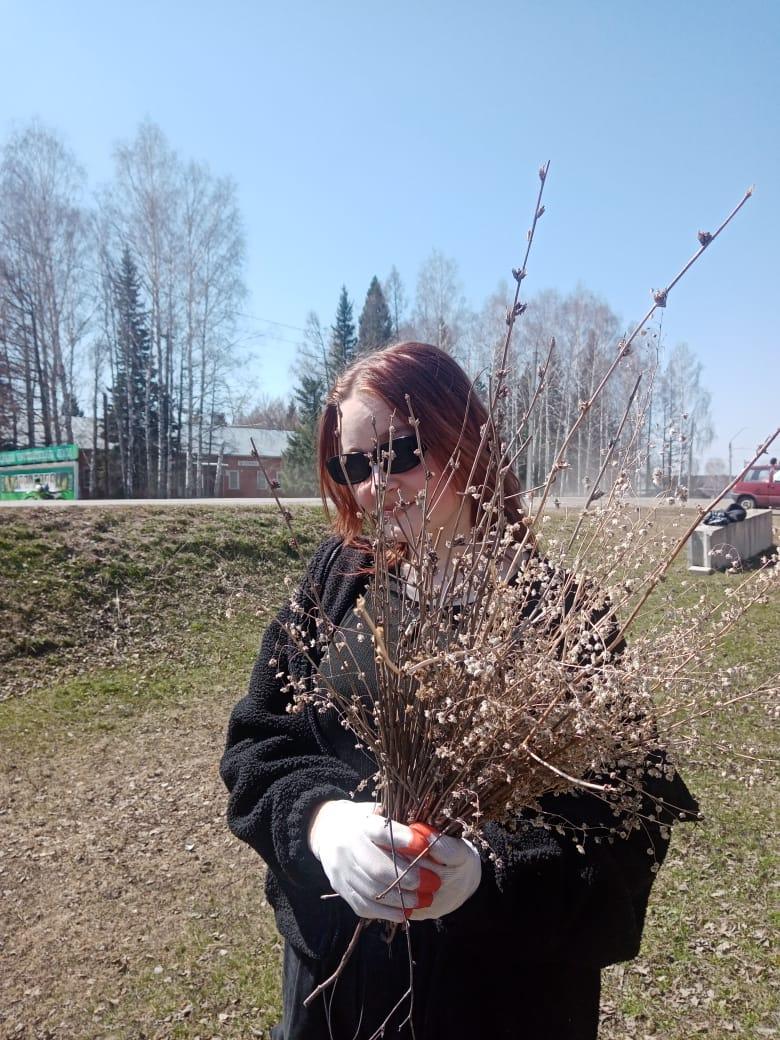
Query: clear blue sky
x,y
363,135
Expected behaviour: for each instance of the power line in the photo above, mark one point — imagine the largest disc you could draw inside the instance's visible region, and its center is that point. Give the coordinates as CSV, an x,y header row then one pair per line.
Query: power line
x,y
270,321
262,337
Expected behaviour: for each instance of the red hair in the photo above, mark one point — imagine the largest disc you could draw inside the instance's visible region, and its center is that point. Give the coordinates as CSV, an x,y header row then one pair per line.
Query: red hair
x,y
451,416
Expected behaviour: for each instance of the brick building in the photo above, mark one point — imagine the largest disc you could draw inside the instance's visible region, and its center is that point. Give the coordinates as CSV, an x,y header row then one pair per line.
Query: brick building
x,y
238,474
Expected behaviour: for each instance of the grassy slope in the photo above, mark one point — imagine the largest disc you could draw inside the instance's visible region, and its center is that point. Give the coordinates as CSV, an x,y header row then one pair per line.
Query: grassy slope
x,y
126,636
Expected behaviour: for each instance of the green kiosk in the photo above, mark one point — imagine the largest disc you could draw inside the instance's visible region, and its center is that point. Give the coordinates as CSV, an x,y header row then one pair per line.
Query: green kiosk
x,y
44,473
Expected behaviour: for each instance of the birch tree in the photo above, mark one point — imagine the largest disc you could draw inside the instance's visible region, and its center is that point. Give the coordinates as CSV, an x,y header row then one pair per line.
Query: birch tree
x,y
440,310
395,294
686,423
43,282
586,332
312,355
184,226
213,288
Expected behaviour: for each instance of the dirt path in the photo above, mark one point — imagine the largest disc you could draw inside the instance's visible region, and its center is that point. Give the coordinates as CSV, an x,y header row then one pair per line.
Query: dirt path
x,y
109,849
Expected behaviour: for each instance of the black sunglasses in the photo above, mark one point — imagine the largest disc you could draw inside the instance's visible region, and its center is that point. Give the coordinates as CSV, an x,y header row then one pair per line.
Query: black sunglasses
x,y
355,467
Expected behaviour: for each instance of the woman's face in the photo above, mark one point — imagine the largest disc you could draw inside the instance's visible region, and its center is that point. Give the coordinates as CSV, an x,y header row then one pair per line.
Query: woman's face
x,y
365,422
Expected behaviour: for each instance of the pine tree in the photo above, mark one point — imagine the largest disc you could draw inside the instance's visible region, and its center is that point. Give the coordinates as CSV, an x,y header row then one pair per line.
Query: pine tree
x,y
133,415
343,343
376,323
298,463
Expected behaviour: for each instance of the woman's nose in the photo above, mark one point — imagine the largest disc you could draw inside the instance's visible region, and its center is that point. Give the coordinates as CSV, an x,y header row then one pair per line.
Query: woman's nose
x,y
381,478
373,482
376,474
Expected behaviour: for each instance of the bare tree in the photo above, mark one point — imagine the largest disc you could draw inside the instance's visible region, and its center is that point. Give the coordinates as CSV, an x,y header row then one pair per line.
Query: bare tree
x,y
313,354
184,226
270,413
686,425
9,406
585,331
440,311
395,294
213,258
43,284
483,332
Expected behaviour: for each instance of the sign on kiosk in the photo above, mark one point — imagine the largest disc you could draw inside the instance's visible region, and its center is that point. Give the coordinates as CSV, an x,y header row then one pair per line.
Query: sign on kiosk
x,y
50,472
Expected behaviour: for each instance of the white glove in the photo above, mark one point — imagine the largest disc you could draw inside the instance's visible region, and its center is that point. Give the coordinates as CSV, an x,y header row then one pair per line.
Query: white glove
x,y
353,844
459,866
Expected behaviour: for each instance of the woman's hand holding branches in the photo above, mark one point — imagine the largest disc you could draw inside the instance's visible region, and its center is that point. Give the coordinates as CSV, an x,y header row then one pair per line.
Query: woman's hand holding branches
x,y
459,873
388,871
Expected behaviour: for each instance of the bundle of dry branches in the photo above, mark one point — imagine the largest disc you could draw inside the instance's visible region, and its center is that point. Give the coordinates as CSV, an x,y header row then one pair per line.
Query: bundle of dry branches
x,y
503,673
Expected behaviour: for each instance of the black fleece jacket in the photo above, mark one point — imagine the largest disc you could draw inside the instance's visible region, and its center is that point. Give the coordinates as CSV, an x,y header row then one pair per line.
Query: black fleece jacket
x,y
546,901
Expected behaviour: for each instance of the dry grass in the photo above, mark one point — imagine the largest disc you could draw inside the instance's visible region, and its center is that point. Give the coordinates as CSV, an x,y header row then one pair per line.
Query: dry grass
x,y
128,911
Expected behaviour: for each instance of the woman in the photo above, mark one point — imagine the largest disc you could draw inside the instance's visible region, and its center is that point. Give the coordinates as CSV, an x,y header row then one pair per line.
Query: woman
x,y
509,945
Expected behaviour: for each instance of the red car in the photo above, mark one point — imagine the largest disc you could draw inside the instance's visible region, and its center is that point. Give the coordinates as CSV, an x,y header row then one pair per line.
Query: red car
x,y
756,489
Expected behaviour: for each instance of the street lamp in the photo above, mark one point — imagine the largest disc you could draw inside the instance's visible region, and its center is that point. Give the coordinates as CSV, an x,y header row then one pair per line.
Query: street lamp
x,y
731,470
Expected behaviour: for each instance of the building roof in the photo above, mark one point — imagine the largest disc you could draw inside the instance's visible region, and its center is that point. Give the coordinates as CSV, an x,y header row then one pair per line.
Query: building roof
x,y
237,441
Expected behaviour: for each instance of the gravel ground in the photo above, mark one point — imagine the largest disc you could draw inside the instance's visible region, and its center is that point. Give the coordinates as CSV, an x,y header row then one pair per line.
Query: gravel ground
x,y
107,850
